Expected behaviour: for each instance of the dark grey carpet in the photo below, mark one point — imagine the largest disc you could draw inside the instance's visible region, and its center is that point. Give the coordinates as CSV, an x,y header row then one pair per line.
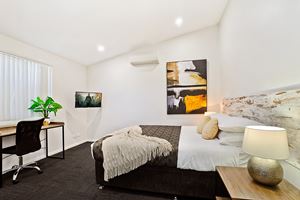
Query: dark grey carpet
x,y
72,178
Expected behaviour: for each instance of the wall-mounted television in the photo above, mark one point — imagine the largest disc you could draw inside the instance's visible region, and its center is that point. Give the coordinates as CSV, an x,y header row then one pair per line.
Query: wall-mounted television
x,y
88,99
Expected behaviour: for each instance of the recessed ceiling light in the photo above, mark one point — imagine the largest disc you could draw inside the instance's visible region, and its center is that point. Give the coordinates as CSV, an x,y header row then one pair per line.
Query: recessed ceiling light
x,y
178,21
101,48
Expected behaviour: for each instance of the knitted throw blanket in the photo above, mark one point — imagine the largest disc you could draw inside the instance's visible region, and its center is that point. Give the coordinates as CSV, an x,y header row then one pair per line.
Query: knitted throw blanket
x,y
127,149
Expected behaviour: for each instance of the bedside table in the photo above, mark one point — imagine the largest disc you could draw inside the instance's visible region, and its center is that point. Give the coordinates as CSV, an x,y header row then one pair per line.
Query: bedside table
x,y
240,185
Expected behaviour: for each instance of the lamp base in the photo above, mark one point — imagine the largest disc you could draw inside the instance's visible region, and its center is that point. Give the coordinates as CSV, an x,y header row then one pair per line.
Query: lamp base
x,y
266,171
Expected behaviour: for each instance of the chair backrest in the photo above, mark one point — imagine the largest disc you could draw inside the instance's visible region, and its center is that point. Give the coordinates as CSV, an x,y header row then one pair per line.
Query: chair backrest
x,y
28,136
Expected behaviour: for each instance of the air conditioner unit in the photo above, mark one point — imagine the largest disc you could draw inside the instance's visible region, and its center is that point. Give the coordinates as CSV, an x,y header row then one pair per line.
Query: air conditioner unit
x,y
144,60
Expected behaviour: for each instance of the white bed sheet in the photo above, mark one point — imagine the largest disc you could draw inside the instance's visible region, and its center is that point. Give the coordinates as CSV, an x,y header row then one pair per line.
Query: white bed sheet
x,y
196,153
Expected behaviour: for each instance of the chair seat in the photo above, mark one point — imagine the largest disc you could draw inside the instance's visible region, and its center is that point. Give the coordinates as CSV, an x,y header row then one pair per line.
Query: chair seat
x,y
10,150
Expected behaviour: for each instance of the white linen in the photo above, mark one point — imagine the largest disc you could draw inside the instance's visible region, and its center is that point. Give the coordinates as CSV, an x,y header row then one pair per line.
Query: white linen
x,y
224,134
92,152
199,154
232,139
235,140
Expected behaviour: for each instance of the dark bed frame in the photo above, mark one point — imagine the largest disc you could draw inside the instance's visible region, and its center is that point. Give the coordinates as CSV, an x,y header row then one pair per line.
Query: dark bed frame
x,y
166,180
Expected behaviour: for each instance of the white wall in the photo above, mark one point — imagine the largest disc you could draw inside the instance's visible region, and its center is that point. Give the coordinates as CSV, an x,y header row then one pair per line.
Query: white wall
x,y
138,95
260,45
67,78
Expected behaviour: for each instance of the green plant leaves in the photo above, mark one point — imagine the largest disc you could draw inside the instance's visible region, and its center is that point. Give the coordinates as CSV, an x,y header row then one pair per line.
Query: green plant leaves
x,y
45,107
40,101
56,105
49,101
34,105
38,110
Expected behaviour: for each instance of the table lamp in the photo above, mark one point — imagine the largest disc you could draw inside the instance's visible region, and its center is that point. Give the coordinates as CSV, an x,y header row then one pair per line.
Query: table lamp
x,y
267,145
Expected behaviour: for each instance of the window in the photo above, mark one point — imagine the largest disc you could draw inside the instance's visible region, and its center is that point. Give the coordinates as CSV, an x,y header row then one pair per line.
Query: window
x,y
21,80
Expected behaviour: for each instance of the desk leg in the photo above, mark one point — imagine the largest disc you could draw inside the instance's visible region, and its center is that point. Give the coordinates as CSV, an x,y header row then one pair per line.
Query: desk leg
x,y
46,143
63,141
63,145
1,176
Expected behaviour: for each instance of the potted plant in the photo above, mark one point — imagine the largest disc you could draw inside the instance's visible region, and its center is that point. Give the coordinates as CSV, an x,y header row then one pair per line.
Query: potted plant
x,y
45,107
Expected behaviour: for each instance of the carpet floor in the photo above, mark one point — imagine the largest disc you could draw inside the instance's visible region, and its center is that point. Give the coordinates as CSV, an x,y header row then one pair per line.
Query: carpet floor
x,y
69,179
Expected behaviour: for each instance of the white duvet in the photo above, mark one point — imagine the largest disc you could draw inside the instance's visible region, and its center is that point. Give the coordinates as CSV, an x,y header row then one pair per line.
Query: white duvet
x,y
199,154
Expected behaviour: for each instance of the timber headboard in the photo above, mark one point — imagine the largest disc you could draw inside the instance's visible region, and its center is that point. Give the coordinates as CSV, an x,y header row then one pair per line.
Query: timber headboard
x,y
280,107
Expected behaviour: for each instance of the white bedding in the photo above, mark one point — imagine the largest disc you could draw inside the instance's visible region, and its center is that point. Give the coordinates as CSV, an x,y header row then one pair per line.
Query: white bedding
x,y
199,154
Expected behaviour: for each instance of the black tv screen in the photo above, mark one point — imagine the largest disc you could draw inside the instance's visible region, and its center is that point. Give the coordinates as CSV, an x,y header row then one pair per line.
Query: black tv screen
x,y
88,99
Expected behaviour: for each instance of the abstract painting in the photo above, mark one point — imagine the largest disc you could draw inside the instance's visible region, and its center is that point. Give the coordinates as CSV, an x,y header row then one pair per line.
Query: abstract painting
x,y
88,99
187,87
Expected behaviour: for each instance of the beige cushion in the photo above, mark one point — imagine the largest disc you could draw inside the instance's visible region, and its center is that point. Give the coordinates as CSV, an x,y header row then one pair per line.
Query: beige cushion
x,y
210,130
203,121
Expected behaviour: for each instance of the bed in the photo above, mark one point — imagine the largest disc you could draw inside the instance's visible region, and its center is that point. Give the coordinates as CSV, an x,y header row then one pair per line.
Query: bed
x,y
193,172
188,171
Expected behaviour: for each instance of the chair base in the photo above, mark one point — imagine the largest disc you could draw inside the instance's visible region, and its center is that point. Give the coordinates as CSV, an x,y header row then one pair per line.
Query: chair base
x,y
21,166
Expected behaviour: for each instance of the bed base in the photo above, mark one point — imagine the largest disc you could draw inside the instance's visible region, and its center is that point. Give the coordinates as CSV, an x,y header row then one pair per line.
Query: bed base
x,y
165,180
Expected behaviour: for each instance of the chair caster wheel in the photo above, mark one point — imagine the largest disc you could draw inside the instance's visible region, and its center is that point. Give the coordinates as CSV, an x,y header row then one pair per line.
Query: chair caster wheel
x,y
101,187
40,172
15,182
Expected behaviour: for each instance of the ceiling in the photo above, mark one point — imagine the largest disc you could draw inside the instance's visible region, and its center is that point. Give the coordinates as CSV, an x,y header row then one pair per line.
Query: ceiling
x,y
74,28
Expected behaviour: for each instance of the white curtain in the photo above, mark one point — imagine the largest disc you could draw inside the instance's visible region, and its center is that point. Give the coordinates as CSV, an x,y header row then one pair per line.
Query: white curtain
x,y
21,80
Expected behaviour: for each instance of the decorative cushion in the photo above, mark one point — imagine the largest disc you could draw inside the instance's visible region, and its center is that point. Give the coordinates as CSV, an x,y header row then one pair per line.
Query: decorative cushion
x,y
203,121
210,130
233,124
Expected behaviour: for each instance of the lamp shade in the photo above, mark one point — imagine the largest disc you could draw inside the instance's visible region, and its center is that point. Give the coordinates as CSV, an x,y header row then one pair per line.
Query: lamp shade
x,y
266,142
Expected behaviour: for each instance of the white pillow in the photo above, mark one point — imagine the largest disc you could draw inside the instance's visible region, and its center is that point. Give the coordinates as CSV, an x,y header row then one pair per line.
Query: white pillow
x,y
233,124
223,134
231,139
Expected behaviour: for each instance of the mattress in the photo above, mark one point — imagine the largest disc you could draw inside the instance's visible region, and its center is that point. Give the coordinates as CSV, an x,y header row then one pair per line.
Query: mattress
x,y
198,154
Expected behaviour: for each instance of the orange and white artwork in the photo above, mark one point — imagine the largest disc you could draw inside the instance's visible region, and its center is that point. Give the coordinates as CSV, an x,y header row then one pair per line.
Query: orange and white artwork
x,y
187,87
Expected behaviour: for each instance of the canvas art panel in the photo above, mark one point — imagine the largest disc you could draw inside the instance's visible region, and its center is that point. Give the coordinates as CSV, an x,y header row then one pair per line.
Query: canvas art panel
x,y
187,87
275,108
88,99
